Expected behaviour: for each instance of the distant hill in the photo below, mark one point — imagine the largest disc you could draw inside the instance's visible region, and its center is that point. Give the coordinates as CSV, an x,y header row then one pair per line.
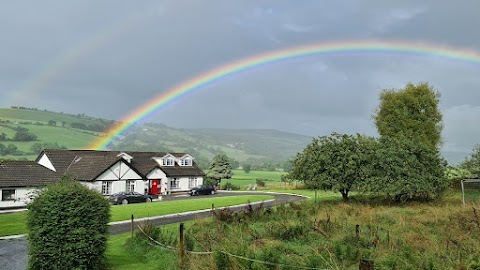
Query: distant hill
x,y
78,131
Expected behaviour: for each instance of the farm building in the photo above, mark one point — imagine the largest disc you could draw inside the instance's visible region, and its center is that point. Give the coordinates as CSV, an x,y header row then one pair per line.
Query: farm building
x,y
107,172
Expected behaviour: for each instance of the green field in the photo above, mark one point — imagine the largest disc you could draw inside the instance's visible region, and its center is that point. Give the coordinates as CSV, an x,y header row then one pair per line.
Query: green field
x,y
15,223
243,179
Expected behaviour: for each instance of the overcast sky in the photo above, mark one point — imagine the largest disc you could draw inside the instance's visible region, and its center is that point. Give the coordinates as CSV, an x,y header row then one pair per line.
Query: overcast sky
x,y
106,58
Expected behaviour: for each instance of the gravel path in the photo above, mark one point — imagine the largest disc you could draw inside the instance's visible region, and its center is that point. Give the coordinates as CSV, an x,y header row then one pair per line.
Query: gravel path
x,y
13,252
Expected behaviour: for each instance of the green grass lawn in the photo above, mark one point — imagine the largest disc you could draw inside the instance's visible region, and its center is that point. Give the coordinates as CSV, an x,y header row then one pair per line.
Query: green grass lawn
x,y
15,223
124,212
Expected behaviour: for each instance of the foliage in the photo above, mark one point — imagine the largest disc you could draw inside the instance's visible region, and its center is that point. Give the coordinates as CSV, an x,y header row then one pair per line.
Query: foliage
x,y
260,182
10,149
472,163
230,186
403,169
333,162
247,168
23,135
220,168
412,112
68,227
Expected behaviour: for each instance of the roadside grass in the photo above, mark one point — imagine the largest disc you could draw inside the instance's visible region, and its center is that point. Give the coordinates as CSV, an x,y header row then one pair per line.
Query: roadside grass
x,y
124,254
15,223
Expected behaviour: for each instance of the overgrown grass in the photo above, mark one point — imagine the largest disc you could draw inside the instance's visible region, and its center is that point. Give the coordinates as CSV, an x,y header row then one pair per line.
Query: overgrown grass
x,y
438,234
15,223
124,253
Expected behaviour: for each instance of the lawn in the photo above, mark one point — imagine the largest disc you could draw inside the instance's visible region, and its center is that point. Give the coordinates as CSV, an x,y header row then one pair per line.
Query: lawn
x,y
243,179
15,223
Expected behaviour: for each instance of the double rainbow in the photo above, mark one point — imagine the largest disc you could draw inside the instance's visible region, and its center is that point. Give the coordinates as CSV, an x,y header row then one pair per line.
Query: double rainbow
x,y
196,83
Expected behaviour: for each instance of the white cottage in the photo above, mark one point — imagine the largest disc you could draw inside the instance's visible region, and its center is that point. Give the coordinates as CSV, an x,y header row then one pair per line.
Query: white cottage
x,y
107,172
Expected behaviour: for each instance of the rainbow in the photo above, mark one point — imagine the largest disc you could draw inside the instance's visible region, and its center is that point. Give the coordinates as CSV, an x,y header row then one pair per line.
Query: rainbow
x,y
227,70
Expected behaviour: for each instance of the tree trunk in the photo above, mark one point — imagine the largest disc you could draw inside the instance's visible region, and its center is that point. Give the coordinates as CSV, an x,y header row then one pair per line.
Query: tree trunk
x,y
344,194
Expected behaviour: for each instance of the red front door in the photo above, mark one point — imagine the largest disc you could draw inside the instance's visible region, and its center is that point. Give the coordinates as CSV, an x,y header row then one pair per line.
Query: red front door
x,y
154,189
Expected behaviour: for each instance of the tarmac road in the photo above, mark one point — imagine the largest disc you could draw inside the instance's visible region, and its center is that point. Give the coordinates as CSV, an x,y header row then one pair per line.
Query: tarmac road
x,y
14,253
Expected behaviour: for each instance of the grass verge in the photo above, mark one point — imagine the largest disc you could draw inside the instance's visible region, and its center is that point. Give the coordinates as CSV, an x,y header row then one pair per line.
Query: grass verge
x,y
15,223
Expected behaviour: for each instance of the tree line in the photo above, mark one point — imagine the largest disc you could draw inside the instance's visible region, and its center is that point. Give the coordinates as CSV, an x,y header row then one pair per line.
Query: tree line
x,y
403,163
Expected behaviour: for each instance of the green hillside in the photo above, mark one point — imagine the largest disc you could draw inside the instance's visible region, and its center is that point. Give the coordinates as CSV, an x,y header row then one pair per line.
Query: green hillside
x,y
52,130
59,130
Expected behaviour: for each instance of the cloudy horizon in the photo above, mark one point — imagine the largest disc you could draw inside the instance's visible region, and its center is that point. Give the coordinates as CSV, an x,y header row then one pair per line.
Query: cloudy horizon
x,y
106,59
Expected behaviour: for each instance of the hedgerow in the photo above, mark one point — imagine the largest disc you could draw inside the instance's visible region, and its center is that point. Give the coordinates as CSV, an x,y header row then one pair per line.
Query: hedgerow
x,y
68,228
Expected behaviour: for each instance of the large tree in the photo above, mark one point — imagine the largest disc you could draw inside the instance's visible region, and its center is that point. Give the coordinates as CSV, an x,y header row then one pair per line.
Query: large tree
x,y
220,168
472,163
333,162
402,169
413,113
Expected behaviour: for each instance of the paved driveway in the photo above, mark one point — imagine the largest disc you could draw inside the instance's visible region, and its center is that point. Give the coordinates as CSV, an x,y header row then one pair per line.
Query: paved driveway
x,y
13,252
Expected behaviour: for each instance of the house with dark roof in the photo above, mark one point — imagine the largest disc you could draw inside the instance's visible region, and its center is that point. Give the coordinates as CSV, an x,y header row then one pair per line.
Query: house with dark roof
x,y
107,172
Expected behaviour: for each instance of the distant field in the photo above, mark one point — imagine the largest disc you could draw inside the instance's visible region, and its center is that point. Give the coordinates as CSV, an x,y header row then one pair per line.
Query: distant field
x,y
242,179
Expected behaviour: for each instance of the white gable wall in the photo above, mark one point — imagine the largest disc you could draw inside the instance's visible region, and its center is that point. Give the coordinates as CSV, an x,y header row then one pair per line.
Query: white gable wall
x,y
156,174
119,171
45,162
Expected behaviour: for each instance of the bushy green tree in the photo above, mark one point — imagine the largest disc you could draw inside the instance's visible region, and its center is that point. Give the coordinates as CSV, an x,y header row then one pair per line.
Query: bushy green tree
x,y
333,162
220,168
412,113
402,169
247,168
472,163
68,228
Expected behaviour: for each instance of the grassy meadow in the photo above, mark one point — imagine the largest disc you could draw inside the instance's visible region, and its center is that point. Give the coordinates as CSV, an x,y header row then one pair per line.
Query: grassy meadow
x,y
329,234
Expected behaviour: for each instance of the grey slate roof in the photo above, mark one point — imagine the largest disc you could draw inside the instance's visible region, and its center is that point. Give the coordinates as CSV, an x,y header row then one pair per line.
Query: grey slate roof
x,y
88,164
85,165
24,174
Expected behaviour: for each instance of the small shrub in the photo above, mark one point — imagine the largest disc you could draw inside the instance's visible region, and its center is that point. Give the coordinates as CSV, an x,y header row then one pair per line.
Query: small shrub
x,y
230,186
68,228
261,182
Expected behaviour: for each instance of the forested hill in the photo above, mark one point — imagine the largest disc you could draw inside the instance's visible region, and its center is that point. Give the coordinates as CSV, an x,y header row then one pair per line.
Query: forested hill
x,y
24,131
253,146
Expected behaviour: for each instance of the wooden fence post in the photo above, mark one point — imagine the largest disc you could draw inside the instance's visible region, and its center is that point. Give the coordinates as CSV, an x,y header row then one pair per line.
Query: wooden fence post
x,y
132,227
180,244
366,264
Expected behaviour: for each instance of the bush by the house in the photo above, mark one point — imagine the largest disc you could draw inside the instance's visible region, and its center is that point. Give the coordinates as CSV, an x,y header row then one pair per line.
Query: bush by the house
x,y
230,186
68,228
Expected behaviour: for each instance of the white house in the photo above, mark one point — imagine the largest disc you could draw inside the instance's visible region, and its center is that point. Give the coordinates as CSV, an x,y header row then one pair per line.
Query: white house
x,y
107,172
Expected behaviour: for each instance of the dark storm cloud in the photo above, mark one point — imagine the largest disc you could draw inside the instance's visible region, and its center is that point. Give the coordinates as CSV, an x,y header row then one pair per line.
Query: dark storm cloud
x,y
124,53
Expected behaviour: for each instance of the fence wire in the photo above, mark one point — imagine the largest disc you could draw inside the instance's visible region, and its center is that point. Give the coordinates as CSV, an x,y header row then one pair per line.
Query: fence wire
x,y
224,252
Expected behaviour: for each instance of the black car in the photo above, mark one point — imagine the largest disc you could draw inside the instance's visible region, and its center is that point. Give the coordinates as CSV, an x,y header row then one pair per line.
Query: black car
x,y
202,190
129,197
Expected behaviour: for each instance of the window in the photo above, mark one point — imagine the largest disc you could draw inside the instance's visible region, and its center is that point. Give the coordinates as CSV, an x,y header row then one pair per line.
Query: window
x,y
168,162
130,186
192,182
186,162
174,183
8,194
106,187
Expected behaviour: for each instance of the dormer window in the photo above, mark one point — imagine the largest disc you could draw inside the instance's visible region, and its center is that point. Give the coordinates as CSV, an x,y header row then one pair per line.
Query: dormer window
x,y
186,162
126,157
168,161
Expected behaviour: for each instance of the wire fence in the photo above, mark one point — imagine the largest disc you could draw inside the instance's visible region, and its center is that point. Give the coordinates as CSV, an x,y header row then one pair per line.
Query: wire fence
x,y
223,252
